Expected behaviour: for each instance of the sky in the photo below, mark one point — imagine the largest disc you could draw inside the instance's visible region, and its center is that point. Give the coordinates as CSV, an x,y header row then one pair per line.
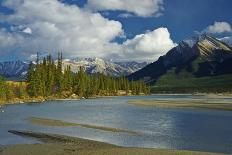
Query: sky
x,y
119,30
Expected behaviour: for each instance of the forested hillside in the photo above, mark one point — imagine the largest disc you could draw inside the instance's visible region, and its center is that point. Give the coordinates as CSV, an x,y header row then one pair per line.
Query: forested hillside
x,y
198,64
46,79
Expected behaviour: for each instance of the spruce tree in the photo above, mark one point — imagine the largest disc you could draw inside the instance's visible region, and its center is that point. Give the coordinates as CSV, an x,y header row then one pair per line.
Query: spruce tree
x,y
48,78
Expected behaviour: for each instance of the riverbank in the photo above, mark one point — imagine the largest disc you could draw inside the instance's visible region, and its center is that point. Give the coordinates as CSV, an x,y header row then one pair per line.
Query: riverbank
x,y
41,99
58,144
62,97
207,103
23,101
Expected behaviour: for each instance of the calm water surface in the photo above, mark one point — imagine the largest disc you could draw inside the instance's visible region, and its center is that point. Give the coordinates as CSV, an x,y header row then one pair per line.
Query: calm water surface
x,y
188,129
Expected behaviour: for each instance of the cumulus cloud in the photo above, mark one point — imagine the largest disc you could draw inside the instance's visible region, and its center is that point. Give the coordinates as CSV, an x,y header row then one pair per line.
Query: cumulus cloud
x,y
50,26
148,45
58,27
143,8
218,27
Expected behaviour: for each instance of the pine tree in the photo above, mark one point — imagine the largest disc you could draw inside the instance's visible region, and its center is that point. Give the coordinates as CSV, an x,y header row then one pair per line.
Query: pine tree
x,y
59,74
47,78
50,80
31,79
67,79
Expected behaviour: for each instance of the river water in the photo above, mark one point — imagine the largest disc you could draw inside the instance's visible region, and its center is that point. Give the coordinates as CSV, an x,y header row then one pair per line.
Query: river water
x,y
185,129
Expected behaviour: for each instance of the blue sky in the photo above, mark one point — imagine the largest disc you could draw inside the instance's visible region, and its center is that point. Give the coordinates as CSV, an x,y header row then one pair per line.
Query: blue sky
x,y
181,17
162,23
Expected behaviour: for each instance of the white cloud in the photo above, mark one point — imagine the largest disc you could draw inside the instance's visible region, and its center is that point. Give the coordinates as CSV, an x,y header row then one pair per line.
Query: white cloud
x,y
27,30
150,45
54,26
125,15
219,27
143,8
58,27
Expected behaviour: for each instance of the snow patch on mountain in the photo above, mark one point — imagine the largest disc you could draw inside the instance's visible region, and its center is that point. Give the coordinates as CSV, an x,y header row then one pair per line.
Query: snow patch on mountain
x,y
98,65
227,40
18,69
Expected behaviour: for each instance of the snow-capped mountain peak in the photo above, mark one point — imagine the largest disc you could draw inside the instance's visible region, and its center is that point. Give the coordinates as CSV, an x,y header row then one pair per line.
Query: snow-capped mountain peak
x,y
227,40
98,65
18,69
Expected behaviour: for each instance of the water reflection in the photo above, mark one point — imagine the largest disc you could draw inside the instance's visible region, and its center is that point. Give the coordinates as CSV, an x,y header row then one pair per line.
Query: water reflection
x,y
204,130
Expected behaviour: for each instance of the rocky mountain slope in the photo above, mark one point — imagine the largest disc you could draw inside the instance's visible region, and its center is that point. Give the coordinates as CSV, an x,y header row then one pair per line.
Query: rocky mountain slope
x,y
18,69
227,40
97,65
197,57
12,69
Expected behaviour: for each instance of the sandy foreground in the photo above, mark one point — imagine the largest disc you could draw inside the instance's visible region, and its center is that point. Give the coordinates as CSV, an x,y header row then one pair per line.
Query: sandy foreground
x,y
64,145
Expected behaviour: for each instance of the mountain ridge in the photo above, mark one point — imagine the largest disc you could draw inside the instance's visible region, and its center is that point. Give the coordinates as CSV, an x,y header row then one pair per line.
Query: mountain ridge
x,y
11,69
202,56
17,70
98,65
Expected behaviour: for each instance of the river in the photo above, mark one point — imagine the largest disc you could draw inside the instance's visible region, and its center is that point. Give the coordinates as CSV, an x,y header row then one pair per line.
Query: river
x,y
184,129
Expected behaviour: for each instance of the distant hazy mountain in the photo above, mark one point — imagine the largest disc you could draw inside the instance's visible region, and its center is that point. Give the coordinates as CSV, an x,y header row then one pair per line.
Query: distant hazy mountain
x,y
97,65
192,63
132,66
13,69
16,70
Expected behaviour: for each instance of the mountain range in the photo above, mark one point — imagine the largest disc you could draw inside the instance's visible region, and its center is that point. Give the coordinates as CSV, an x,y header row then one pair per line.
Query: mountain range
x,y
98,65
15,70
198,62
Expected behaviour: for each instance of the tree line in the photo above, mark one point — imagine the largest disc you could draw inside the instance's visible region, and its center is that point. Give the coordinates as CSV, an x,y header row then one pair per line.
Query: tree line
x,y
47,78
